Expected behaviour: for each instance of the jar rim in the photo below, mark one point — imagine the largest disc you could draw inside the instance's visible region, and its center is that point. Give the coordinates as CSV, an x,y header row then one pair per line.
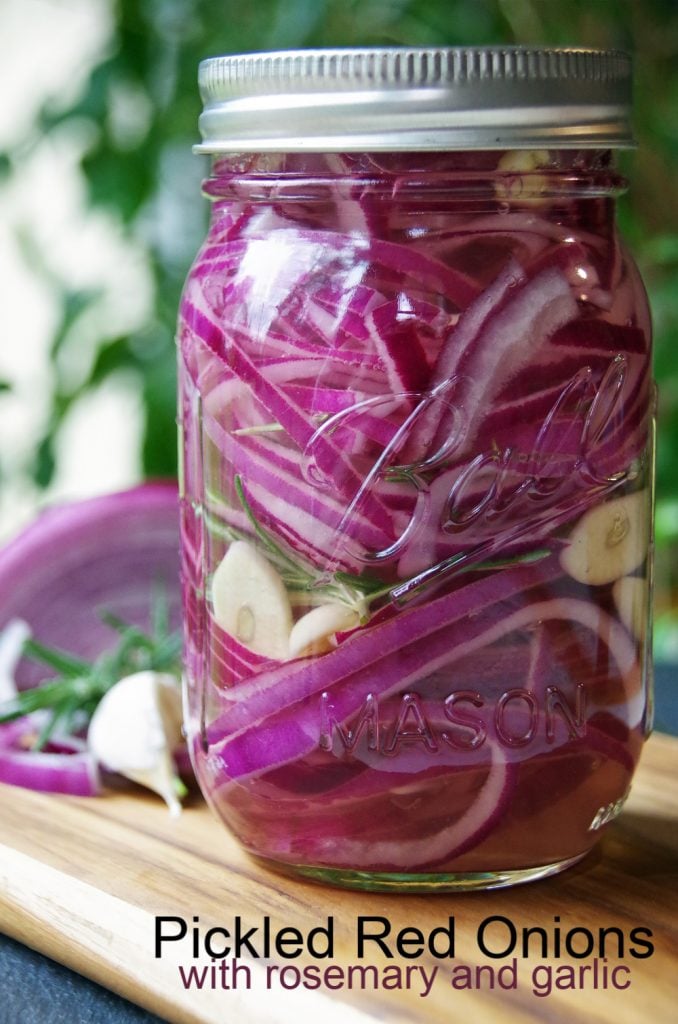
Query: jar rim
x,y
416,98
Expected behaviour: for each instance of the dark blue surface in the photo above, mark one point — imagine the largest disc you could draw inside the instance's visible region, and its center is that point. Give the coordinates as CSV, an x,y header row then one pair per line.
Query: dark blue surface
x,y
36,990
666,699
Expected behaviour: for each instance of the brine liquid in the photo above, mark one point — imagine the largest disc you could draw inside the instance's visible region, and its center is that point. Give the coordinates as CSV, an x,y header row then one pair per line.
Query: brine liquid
x,y
433,415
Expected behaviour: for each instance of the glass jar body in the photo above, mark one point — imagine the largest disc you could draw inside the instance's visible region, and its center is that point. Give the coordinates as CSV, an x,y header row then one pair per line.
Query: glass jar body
x,y
416,411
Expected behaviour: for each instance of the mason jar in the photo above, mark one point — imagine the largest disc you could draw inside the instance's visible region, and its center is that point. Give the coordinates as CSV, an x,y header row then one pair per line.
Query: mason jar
x,y
416,426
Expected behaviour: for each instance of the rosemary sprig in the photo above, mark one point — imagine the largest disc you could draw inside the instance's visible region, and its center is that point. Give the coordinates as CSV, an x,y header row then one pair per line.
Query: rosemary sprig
x,y
355,591
290,569
70,698
338,586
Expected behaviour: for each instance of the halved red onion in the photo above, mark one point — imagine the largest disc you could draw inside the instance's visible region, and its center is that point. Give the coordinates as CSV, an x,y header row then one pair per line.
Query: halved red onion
x,y
75,561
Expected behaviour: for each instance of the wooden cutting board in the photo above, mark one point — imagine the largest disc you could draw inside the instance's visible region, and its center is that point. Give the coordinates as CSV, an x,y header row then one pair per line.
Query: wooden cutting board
x,y
83,880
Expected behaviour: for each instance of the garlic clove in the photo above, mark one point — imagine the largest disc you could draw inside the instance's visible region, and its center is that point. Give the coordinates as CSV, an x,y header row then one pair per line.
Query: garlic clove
x,y
12,639
135,728
314,632
609,541
517,162
250,601
630,595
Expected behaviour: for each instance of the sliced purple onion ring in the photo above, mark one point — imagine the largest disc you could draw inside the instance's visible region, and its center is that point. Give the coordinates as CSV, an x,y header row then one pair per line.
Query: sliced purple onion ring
x,y
64,767
443,845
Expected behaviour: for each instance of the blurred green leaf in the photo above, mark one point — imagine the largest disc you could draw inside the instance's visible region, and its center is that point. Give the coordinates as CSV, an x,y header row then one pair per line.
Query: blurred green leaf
x,y
114,355
159,442
44,463
73,305
665,637
662,250
119,181
666,522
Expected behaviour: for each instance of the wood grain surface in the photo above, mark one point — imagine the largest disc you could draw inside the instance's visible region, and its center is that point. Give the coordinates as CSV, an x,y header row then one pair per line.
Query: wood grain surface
x,y
83,880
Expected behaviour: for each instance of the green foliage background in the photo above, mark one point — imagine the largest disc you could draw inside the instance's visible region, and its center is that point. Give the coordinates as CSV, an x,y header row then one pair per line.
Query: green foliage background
x,y
141,177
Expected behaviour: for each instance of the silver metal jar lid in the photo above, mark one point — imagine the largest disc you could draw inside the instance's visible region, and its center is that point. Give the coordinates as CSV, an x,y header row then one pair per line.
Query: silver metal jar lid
x,y
403,98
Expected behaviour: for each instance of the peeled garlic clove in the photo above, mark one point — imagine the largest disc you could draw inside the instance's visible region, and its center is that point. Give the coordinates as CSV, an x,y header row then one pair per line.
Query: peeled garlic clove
x,y
250,601
517,162
135,728
314,632
609,541
630,597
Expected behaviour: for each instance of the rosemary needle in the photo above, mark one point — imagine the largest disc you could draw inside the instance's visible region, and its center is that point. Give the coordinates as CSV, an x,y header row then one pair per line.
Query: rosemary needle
x,y
70,698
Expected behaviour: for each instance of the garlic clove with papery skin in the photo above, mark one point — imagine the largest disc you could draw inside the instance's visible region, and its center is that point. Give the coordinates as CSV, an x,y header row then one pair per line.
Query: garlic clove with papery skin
x,y
12,639
609,541
135,728
314,632
250,601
